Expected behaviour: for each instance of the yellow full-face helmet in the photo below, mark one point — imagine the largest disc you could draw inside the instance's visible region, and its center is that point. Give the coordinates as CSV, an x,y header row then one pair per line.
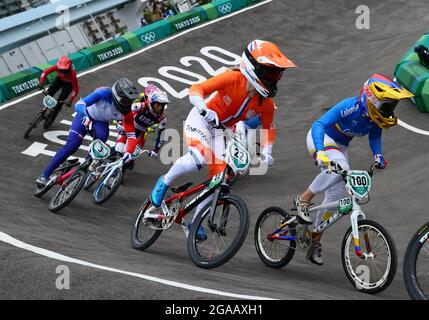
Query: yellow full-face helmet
x,y
380,95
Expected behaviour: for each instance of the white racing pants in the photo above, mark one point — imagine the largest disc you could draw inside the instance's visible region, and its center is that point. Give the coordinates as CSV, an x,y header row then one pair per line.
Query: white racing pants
x,y
330,183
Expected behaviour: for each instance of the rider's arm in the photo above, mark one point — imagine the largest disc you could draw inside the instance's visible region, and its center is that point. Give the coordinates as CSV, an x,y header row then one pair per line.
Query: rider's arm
x,y
374,138
198,91
130,132
330,118
89,100
159,140
46,72
269,133
75,85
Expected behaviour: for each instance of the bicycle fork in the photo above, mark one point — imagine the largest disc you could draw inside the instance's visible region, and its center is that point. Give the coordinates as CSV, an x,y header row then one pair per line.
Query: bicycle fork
x,y
356,215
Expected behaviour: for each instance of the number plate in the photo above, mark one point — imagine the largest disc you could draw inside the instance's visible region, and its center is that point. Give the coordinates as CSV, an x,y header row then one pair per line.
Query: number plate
x,y
345,205
238,156
49,102
359,183
99,150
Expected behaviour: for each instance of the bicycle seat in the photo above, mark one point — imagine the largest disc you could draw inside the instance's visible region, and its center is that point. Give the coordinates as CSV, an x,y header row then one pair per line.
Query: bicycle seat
x,y
182,188
74,161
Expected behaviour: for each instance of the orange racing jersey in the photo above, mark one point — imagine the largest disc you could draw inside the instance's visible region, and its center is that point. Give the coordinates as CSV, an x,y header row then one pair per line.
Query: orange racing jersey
x,y
232,104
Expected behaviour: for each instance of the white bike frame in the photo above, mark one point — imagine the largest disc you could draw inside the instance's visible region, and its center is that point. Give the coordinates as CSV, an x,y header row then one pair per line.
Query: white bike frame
x,y
109,168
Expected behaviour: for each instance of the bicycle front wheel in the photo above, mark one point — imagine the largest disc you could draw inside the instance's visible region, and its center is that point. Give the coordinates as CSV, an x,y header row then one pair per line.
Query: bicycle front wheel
x,y
374,273
33,124
274,252
145,231
416,265
68,192
225,232
107,187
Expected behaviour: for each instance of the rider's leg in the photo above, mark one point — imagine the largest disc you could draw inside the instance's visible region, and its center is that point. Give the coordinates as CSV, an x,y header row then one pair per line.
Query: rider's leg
x,y
101,130
56,85
216,166
198,136
332,194
67,88
141,138
74,140
120,143
324,180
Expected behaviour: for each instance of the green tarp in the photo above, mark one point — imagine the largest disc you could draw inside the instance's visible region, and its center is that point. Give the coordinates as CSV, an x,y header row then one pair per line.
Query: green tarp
x,y
106,51
225,7
413,76
17,84
423,40
45,66
80,61
2,95
148,34
187,20
210,11
23,82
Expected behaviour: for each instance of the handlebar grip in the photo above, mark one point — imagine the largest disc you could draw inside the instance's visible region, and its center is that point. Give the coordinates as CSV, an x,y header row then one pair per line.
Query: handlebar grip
x,y
215,125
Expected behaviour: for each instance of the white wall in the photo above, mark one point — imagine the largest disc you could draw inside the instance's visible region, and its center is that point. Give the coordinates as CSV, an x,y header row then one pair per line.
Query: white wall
x,y
4,70
66,41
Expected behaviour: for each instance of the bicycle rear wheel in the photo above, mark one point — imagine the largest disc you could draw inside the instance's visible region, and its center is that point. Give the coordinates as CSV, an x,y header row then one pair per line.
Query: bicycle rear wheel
x,y
373,274
275,253
145,231
225,232
39,192
416,265
68,192
33,123
107,187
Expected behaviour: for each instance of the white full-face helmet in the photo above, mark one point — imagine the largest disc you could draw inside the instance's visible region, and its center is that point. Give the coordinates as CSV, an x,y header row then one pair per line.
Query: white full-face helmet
x,y
263,65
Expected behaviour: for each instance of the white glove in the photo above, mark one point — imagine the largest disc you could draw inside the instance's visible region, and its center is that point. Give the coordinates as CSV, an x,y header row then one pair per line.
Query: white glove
x,y
126,157
86,122
210,116
152,154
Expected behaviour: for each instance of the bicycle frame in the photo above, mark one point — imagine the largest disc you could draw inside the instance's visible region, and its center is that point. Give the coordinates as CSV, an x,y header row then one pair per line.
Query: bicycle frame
x,y
350,204
109,168
206,189
237,159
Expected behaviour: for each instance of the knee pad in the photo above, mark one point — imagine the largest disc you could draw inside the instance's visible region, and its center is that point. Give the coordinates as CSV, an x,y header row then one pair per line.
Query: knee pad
x,y
198,158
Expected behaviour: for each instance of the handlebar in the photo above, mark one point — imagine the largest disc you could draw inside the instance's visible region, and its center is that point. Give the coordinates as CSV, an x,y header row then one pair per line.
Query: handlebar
x,y
214,124
339,170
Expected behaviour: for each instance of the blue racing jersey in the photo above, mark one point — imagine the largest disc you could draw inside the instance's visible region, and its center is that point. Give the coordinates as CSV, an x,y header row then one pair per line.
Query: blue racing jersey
x,y
98,106
343,122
